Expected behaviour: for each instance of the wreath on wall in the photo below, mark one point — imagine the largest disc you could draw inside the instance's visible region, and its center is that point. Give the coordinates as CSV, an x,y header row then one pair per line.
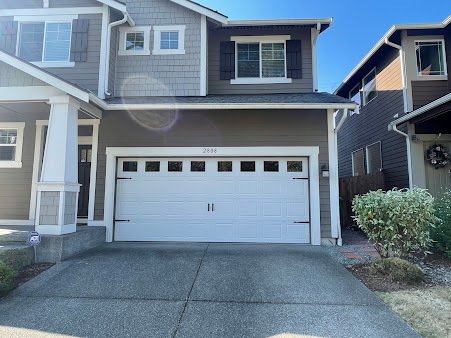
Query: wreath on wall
x,y
438,156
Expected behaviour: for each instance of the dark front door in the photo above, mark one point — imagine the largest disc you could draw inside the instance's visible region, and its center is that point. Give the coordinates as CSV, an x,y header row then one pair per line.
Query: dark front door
x,y
84,175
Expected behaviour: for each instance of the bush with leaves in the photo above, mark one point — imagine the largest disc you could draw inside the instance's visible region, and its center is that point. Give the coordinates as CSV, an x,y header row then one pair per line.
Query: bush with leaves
x,y
399,270
441,234
7,278
397,221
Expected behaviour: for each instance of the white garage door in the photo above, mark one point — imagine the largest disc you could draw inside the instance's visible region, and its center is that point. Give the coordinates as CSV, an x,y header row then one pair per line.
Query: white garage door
x,y
264,200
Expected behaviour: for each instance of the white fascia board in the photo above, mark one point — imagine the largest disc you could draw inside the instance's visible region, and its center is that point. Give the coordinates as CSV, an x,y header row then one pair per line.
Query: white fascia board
x,y
30,93
381,42
221,106
44,76
288,22
50,11
419,111
114,4
202,10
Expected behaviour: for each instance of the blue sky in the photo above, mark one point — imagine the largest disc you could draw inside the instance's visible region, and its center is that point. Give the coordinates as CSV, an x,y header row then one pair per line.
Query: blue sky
x,y
358,25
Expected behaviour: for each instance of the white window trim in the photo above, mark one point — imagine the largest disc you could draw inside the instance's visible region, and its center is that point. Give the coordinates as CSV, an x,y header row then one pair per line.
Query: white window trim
x,y
260,39
367,157
364,102
55,19
157,40
19,126
352,160
357,110
445,66
123,31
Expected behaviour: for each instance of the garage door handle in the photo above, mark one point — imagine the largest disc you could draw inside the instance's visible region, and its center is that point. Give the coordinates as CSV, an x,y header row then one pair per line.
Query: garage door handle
x,y
122,220
208,207
213,207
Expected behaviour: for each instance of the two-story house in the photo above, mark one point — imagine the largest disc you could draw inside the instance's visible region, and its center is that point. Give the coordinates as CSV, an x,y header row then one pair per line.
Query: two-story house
x,y
163,120
402,87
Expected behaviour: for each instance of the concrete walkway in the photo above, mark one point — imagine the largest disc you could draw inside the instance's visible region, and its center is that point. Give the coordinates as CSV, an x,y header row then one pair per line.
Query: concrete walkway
x,y
198,290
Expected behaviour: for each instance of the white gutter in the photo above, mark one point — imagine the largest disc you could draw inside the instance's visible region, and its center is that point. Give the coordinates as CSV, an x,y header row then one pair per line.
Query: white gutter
x,y
218,106
125,19
288,22
409,156
342,120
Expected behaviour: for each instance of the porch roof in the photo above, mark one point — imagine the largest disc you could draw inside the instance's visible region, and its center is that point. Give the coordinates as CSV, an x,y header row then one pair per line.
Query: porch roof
x,y
253,101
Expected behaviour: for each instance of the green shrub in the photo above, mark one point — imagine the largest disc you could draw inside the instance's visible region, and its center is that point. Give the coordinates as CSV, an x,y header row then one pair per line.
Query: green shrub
x,y
441,234
397,221
7,278
399,270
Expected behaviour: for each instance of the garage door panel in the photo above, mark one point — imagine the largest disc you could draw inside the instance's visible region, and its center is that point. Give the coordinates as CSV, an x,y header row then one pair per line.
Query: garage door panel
x,y
220,204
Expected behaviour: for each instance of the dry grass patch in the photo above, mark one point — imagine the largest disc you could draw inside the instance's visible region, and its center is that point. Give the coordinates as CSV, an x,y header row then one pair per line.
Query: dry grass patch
x,y
427,310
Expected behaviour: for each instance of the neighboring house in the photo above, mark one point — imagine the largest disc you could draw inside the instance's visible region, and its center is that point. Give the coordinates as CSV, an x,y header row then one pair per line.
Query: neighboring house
x,y
191,127
403,90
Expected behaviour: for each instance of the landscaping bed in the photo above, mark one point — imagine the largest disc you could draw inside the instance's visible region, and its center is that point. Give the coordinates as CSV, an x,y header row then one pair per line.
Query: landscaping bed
x,y
10,278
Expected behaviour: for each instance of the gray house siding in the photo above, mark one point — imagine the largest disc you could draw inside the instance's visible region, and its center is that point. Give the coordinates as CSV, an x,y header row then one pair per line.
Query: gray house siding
x,y
221,129
9,4
217,86
83,74
12,77
424,92
15,183
161,75
370,126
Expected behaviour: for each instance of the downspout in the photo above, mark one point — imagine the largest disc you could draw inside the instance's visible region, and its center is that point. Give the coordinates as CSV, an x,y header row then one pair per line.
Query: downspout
x,y
336,130
403,71
108,45
394,127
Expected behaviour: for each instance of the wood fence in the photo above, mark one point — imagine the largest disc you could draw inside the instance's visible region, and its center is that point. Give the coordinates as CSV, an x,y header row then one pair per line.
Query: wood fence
x,y
356,185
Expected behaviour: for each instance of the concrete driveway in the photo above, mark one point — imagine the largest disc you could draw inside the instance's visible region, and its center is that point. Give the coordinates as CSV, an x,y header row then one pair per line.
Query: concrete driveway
x,y
198,290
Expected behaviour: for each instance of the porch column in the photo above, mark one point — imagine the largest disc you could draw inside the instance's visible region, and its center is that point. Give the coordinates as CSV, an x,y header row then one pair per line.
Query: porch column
x,y
58,188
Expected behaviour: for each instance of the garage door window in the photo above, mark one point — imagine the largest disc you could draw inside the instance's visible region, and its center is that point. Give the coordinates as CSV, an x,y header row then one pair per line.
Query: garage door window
x,y
197,166
248,166
175,166
153,166
271,166
294,166
225,166
130,166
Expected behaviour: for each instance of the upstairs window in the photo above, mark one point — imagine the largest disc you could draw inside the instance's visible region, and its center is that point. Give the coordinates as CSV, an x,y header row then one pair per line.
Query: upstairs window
x,y
358,163
355,96
169,40
369,84
45,41
134,40
261,59
430,58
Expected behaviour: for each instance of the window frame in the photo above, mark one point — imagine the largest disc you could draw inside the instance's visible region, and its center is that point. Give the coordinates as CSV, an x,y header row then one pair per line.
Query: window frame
x,y
357,110
19,126
445,66
43,63
158,30
364,102
123,31
353,163
260,40
367,169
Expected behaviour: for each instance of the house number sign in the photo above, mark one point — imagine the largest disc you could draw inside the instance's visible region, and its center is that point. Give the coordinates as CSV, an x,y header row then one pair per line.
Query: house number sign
x,y
209,150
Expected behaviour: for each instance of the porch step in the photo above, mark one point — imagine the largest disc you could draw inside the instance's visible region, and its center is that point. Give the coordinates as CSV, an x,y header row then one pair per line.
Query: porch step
x,y
16,255
14,234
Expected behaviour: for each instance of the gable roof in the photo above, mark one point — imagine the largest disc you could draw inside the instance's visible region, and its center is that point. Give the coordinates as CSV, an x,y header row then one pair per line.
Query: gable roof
x,y
44,76
387,36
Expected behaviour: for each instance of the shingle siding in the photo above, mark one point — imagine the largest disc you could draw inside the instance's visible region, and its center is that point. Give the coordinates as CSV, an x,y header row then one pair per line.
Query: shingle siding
x,y
161,75
221,129
371,125
218,86
12,77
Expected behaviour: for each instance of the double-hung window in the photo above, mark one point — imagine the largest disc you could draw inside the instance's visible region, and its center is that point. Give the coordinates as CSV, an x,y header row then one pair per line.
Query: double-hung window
x,y
169,40
369,85
11,138
45,43
431,59
261,60
355,96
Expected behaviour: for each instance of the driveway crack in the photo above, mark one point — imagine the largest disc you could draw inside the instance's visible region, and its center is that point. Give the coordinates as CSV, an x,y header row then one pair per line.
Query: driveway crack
x,y
189,294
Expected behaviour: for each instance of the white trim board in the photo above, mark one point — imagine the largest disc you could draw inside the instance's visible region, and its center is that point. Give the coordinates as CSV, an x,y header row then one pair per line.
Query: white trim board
x,y
16,222
31,93
333,178
203,56
50,11
202,10
113,153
